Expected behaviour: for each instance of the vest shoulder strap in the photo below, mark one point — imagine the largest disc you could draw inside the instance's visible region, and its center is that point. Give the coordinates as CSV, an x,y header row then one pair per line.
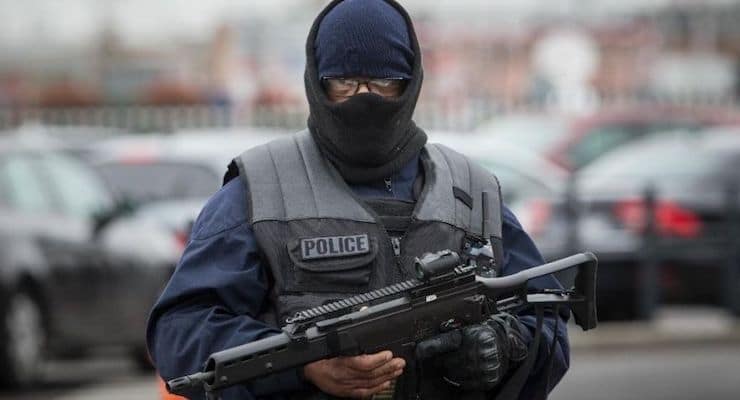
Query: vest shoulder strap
x,y
288,179
458,184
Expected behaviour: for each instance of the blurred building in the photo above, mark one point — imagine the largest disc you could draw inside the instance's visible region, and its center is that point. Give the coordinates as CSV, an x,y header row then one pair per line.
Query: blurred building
x,y
480,56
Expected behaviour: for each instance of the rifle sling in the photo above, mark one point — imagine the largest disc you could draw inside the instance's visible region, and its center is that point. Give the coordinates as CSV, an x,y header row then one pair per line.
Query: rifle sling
x,y
514,386
551,356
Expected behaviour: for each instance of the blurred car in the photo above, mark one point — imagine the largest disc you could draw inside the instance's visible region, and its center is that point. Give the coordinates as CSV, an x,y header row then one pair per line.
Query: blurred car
x,y
160,177
78,272
573,142
683,182
534,132
530,184
170,177
75,140
592,136
178,166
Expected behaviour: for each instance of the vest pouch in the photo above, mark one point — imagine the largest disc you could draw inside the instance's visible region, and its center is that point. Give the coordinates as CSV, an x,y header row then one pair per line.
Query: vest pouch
x,y
331,264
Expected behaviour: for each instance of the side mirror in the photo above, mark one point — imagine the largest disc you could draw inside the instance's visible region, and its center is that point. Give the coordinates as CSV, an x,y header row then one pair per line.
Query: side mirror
x,y
122,207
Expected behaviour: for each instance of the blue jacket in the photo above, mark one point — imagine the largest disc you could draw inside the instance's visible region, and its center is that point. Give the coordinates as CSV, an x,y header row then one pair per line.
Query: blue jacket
x,y
219,287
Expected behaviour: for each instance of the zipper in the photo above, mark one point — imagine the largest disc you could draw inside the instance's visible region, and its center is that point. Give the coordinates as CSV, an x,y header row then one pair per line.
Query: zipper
x,y
396,244
399,272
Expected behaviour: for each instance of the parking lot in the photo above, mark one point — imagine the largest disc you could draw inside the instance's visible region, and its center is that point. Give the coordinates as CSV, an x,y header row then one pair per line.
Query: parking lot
x,y
683,354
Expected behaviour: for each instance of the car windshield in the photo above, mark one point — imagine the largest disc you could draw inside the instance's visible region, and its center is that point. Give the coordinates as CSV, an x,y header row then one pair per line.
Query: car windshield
x,y
144,182
663,162
536,133
608,137
516,186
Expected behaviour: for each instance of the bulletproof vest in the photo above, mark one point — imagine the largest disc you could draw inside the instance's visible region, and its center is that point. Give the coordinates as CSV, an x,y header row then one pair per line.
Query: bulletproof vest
x,y
322,243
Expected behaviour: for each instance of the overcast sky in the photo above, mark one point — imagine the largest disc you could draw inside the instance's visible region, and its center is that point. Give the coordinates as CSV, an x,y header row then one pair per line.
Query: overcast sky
x,y
71,22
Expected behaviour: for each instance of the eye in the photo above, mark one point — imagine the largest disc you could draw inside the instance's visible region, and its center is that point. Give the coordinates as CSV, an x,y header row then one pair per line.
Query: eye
x,y
349,81
384,83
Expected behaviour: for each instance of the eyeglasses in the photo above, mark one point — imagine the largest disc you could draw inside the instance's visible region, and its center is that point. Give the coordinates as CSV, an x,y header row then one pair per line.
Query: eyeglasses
x,y
346,87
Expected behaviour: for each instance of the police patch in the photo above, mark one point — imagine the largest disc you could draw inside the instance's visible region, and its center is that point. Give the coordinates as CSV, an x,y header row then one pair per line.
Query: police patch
x,y
334,246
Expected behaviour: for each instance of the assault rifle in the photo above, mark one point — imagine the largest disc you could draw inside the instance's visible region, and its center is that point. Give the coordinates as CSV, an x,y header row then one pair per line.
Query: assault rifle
x,y
446,293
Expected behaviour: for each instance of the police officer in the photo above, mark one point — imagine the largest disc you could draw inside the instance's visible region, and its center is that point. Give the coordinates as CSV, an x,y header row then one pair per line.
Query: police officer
x,y
343,209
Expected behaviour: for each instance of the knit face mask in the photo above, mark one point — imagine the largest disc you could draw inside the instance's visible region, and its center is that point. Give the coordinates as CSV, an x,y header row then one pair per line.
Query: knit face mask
x,y
367,137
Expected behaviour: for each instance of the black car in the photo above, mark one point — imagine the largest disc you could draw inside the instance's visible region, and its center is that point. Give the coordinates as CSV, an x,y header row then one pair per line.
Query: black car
x,y
666,202
170,177
76,271
592,136
179,166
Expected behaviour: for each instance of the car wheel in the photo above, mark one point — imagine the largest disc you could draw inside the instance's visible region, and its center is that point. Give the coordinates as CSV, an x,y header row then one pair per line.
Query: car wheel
x,y
23,340
618,306
618,297
735,294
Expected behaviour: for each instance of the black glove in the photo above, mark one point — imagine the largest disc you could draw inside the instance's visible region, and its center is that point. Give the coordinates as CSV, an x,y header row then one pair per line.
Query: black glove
x,y
477,357
509,326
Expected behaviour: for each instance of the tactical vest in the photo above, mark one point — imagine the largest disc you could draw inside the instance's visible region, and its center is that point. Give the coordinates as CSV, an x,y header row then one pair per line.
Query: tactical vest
x,y
322,243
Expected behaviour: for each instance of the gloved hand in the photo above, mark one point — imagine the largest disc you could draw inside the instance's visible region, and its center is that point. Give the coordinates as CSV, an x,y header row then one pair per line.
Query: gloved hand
x,y
477,357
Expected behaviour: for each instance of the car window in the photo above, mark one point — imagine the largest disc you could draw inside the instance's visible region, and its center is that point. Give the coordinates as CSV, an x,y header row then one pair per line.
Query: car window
x,y
79,190
728,171
670,164
22,188
603,139
535,133
145,182
516,186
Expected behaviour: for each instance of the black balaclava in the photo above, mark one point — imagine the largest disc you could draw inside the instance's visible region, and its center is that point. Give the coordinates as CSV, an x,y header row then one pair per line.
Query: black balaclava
x,y
367,137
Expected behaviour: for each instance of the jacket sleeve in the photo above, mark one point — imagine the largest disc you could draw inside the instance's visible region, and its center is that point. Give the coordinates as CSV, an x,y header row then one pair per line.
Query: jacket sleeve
x,y
520,253
212,300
